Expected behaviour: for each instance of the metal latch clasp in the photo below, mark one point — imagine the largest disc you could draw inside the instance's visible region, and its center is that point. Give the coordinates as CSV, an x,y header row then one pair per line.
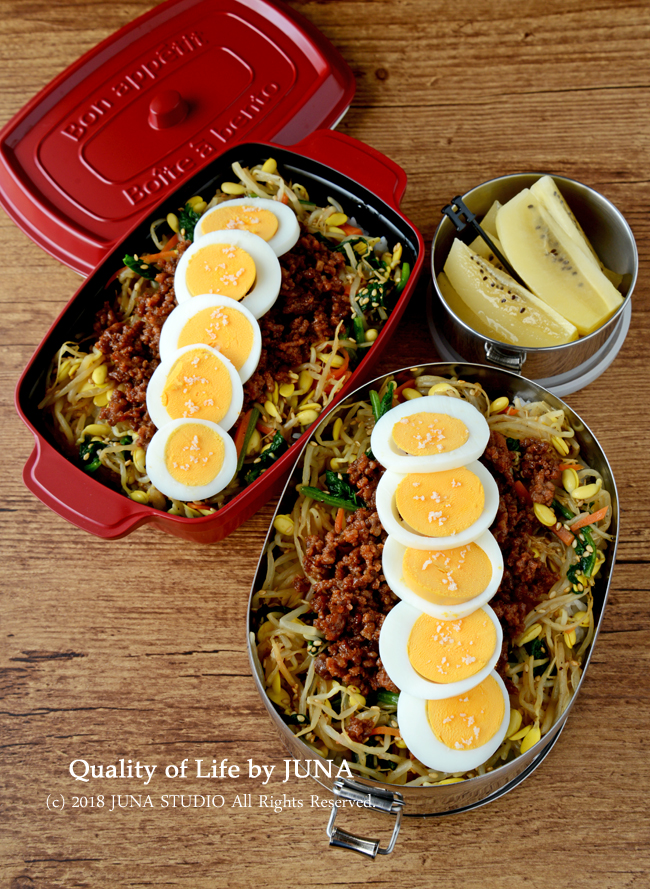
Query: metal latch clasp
x,y
513,361
391,803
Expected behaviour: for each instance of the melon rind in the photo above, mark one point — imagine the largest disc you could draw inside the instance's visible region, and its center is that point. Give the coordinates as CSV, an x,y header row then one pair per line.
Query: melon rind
x,y
553,266
498,300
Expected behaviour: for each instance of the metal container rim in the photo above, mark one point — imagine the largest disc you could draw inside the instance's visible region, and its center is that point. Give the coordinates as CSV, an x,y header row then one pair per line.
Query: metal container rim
x,y
533,757
541,350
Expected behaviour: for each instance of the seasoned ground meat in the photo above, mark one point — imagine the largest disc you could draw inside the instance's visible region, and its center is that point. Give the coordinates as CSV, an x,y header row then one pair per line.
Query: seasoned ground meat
x,y
359,730
497,457
365,474
541,464
132,349
526,580
311,304
351,597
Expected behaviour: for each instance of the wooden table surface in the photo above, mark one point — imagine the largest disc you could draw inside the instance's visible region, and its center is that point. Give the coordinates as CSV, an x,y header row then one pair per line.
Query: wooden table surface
x,y
135,649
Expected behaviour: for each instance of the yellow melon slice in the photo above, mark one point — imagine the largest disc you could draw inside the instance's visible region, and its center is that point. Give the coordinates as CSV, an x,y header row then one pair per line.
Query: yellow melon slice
x,y
479,246
521,318
553,266
486,326
489,221
548,194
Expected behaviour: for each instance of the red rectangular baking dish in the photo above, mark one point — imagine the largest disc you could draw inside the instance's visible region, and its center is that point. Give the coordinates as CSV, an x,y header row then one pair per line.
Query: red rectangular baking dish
x,y
97,149
367,184
155,114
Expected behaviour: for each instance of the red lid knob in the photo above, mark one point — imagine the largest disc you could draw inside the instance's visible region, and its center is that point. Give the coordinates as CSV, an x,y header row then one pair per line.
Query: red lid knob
x,y
166,110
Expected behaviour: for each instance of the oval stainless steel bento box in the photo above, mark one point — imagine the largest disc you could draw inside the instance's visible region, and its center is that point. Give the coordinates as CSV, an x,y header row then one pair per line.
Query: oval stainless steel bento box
x,y
564,368
366,183
476,791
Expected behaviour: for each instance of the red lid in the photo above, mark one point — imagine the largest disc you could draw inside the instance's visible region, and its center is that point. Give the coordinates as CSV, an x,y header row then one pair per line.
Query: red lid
x,y
86,159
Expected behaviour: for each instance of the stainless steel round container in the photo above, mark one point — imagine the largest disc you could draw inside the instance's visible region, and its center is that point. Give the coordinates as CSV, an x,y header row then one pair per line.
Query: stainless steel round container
x,y
610,236
451,798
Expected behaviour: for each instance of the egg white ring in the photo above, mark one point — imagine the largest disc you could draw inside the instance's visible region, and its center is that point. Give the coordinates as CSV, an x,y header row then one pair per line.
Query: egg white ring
x,y
418,735
288,227
394,458
393,651
165,482
178,318
158,413
394,524
452,609
268,277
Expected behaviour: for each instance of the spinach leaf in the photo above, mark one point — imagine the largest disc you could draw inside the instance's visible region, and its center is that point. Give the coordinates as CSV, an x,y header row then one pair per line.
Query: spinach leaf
x,y
89,453
144,269
340,493
372,295
266,458
187,219
339,486
381,406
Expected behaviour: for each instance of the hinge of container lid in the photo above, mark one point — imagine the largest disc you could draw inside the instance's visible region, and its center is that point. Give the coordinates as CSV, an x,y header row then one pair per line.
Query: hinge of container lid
x,y
391,803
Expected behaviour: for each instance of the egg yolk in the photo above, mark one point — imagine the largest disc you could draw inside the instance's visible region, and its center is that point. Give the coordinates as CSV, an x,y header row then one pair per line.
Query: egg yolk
x,y
198,386
468,720
460,573
253,219
424,434
194,454
220,268
439,504
451,650
227,330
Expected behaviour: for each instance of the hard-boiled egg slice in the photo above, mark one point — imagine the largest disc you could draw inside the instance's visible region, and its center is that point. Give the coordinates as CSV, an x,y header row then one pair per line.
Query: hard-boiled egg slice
x,y
459,733
196,383
447,584
432,658
236,264
430,434
217,321
442,509
274,222
191,459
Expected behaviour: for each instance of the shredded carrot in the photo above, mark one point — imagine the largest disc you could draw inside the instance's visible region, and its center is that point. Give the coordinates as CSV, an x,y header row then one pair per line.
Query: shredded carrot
x,y
589,519
329,385
565,536
523,493
339,524
397,394
172,242
264,429
386,730
284,199
350,229
512,411
158,257
240,433
337,372
575,466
